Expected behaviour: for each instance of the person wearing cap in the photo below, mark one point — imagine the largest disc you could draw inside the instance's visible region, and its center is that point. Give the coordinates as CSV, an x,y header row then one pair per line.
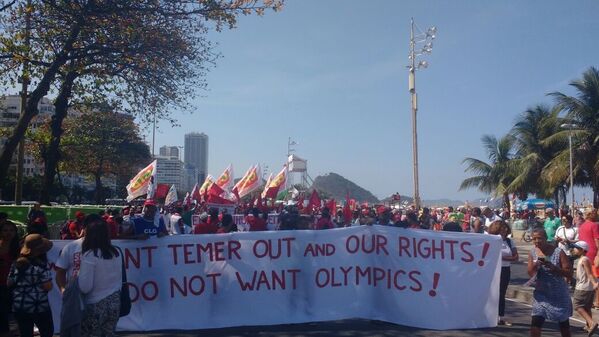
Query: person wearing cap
x,y
586,284
75,228
205,227
31,281
149,224
551,224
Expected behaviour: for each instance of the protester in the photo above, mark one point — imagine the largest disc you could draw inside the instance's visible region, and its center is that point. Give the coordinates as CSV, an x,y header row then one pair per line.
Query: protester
x,y
551,224
38,226
31,281
256,222
586,284
452,226
551,298
100,280
74,228
566,234
589,233
227,225
325,220
9,251
426,220
477,221
205,227
36,212
578,219
509,254
149,224
489,217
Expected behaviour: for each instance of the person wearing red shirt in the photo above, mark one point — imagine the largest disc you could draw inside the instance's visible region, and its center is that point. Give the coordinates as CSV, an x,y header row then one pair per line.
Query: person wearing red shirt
x,y
589,233
75,230
325,220
255,221
205,226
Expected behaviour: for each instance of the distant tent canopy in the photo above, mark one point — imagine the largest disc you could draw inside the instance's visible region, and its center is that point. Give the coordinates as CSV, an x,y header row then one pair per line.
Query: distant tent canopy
x,y
534,204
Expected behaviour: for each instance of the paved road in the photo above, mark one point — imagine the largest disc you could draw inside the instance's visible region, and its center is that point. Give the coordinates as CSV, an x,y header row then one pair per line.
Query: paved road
x,y
518,311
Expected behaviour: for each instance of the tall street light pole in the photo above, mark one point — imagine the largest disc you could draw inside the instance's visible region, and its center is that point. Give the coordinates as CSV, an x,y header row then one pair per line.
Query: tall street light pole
x,y
570,127
423,40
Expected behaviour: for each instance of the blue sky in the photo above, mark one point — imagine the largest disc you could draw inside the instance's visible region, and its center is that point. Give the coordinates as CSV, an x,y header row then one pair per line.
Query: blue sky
x,y
331,75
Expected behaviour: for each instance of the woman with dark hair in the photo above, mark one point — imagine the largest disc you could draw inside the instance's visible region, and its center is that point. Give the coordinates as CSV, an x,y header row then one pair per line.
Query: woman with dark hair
x,y
99,279
227,225
509,254
9,251
30,279
551,297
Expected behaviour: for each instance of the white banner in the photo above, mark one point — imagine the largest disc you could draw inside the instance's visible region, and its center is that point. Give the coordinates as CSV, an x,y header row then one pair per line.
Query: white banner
x,y
435,280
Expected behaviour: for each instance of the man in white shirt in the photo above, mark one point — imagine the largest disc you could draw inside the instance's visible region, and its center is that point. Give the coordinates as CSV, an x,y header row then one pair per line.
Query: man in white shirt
x,y
68,263
490,217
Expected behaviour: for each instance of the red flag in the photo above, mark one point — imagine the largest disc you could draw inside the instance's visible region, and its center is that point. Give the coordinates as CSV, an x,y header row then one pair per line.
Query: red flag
x,y
314,201
214,189
161,191
347,212
332,206
215,199
195,193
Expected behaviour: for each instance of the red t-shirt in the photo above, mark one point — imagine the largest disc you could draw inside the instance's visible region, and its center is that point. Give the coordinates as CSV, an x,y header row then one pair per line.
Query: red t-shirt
x,y
588,232
205,228
256,223
324,223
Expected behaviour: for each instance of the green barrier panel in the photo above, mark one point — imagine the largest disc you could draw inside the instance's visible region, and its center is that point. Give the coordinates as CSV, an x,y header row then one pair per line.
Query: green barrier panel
x,y
18,213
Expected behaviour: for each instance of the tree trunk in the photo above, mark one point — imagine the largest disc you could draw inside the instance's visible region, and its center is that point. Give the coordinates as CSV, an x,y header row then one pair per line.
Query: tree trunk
x,y
61,105
33,99
99,189
595,197
506,202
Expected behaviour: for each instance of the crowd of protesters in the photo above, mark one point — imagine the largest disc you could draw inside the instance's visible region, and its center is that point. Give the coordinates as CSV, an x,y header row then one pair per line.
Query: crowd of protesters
x,y
561,243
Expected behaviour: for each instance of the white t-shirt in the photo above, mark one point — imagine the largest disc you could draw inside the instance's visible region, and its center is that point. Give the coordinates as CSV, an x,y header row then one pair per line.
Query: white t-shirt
x,y
489,221
506,251
99,277
70,258
570,234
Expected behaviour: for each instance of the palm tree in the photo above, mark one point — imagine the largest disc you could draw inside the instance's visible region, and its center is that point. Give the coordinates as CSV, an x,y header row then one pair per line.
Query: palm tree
x,y
493,177
534,152
583,110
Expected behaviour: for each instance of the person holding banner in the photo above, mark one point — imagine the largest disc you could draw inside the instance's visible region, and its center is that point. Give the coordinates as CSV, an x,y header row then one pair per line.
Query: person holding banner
x,y
100,280
149,224
551,297
509,254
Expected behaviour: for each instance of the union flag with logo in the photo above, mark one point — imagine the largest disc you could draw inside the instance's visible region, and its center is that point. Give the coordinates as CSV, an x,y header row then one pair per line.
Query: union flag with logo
x,y
139,185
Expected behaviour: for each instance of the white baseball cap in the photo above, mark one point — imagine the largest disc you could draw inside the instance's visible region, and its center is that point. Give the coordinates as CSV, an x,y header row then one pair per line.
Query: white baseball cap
x,y
582,245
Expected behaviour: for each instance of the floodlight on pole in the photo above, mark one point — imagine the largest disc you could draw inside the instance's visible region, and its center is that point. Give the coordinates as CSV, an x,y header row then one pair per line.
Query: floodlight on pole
x,y
424,41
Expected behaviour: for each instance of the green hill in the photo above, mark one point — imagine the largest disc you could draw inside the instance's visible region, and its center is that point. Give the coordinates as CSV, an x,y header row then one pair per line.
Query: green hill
x,y
333,185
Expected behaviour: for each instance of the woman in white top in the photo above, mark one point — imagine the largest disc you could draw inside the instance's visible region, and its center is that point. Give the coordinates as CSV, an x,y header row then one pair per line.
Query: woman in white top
x,y
566,234
99,279
509,254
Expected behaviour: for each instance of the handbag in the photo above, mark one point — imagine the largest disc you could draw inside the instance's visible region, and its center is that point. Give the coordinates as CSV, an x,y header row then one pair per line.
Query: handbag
x,y
125,308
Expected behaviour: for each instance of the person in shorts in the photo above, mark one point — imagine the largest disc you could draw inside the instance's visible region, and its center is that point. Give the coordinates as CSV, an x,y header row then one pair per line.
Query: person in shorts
x,y
586,284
